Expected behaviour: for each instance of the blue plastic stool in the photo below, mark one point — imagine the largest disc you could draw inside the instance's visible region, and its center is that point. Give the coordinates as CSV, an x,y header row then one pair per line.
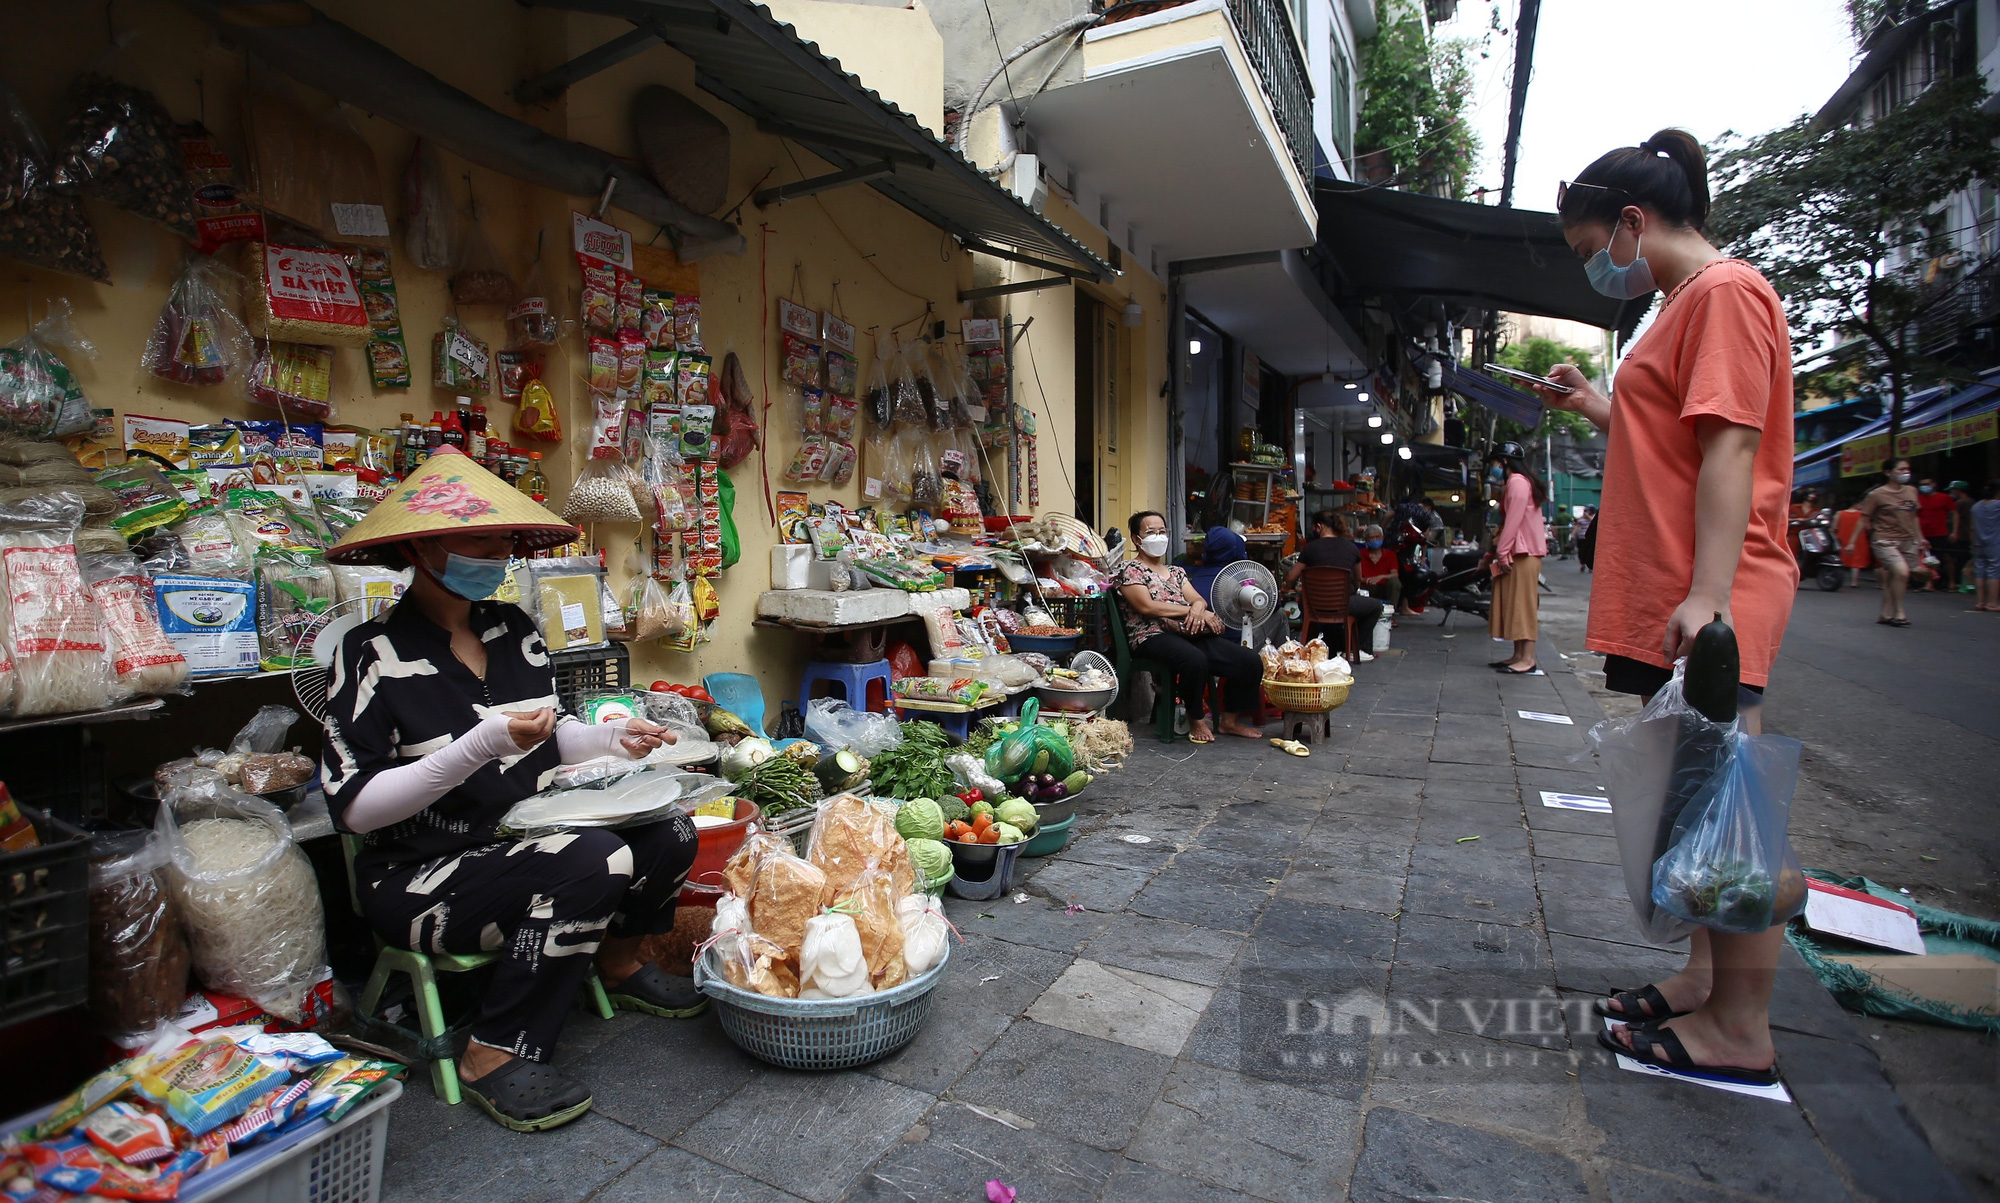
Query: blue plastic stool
x,y
853,679
956,723
740,695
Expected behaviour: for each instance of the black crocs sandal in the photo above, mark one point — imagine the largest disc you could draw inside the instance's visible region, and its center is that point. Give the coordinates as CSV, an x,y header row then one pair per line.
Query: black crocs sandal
x,y
1657,1009
1645,1040
528,1096
657,992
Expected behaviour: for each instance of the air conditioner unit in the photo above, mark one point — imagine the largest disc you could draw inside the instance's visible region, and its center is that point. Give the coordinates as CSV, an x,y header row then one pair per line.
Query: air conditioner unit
x,y
1024,180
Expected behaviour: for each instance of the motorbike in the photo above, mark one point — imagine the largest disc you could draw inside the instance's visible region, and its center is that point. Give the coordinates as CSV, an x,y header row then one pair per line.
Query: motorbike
x,y
1818,552
1464,584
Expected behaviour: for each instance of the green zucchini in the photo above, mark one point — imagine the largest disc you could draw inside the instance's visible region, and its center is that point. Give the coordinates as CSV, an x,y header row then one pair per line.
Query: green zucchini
x,y
1714,671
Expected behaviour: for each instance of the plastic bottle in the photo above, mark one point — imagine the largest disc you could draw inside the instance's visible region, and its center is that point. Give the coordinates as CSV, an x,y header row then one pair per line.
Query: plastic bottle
x,y
452,430
532,482
476,442
434,430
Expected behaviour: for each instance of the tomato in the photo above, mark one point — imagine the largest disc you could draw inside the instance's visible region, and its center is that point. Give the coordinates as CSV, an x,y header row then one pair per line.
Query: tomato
x,y
660,686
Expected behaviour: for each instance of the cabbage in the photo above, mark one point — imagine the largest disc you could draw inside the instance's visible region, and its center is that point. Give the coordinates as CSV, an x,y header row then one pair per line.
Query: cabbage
x,y
920,819
1009,834
1017,812
930,858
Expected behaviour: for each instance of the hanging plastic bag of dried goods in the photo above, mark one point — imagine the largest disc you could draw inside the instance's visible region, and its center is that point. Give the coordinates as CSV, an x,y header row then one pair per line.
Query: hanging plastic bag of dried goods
x,y
736,414
39,225
39,395
937,406
480,276
894,471
432,236
198,339
907,406
356,206
926,485
603,493
138,952
121,145
531,320
877,400
281,139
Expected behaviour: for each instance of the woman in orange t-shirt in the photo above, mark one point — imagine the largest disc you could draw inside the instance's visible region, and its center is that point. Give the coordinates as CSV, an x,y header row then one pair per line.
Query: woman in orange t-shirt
x,y
1697,481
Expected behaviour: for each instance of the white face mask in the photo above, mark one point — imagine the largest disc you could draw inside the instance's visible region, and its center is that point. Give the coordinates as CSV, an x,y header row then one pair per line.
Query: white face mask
x,y
1901,478
1154,545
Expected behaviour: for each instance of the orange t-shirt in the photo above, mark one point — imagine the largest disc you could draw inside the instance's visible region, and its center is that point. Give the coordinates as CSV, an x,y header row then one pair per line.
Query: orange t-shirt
x,y
1719,347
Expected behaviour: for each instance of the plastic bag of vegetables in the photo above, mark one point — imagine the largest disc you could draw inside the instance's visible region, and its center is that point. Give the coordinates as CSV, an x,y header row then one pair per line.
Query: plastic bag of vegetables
x,y
1731,867
1031,747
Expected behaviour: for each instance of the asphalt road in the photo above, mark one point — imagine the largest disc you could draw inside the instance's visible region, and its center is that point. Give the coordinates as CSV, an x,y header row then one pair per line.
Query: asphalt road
x,y
1901,783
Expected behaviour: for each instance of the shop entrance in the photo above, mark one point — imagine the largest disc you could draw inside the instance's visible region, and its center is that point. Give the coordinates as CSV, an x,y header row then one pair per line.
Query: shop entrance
x,y
1100,499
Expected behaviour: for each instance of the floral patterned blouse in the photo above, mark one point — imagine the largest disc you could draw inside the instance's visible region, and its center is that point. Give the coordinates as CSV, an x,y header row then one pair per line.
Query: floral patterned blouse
x,y
1168,585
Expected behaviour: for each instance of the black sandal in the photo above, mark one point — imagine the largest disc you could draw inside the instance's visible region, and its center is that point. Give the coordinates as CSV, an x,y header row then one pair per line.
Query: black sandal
x,y
1657,1010
656,992
528,1096
1645,1040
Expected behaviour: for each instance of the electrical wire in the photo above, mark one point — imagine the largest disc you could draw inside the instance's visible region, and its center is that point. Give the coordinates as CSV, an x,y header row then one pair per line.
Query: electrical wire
x,y
1049,414
864,256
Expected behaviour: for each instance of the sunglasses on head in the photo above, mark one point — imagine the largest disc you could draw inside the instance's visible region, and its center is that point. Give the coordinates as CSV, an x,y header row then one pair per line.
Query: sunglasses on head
x,y
1563,187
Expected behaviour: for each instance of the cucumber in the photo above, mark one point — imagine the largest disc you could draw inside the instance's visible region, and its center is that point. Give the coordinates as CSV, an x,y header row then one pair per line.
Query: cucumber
x,y
1076,781
1714,670
841,770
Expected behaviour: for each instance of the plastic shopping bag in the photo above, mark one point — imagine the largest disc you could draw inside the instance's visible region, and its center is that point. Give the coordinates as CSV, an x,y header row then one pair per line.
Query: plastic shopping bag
x,y
1731,867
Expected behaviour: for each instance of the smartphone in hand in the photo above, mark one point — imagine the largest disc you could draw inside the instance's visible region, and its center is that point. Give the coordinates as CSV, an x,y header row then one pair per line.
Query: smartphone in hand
x,y
1528,378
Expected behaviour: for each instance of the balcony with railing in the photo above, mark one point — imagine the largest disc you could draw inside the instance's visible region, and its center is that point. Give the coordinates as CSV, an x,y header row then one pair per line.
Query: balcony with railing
x,y
1193,119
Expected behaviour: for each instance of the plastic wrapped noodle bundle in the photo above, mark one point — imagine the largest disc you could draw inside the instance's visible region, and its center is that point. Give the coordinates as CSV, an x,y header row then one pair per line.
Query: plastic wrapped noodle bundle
x,y
144,662
246,894
47,617
294,587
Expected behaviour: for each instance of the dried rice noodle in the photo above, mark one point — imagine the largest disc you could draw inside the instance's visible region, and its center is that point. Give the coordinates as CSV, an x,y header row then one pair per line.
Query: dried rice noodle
x,y
46,615
247,895
144,662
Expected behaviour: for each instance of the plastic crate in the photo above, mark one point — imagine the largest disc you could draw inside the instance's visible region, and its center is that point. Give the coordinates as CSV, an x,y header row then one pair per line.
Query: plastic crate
x,y
44,913
1085,614
341,1163
590,670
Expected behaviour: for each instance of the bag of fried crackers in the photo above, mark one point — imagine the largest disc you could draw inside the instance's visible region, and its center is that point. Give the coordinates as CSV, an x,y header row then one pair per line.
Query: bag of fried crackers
x,y
1316,650
851,836
872,905
740,873
787,892
1273,660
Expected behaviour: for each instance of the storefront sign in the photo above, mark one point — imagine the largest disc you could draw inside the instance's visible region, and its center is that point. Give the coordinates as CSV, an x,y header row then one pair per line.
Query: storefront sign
x,y
1944,436
600,240
1863,457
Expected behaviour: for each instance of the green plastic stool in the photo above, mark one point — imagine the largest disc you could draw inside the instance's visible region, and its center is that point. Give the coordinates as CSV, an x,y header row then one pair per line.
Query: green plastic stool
x,y
1128,664
423,969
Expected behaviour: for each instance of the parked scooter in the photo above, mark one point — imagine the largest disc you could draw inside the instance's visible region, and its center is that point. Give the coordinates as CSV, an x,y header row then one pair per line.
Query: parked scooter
x,y
1818,553
1464,585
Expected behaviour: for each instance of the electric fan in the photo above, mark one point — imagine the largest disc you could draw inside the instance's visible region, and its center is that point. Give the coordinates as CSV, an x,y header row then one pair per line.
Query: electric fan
x,y
1243,595
317,643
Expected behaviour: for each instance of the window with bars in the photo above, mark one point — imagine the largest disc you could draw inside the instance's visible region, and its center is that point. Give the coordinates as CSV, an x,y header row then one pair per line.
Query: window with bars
x,y
1340,100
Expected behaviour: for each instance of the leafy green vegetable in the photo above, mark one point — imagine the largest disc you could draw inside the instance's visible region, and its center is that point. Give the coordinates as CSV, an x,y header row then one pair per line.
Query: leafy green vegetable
x,y
915,768
779,786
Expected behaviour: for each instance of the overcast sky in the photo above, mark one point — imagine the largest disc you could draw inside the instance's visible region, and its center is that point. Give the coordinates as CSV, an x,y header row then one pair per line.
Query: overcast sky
x,y
1610,72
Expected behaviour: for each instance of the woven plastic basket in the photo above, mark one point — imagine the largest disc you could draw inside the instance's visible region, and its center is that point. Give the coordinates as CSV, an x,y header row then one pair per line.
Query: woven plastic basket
x,y
819,1033
1303,697
795,826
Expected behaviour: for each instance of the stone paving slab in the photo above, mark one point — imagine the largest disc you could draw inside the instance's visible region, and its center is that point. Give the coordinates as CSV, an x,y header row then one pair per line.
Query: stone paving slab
x,y
1305,983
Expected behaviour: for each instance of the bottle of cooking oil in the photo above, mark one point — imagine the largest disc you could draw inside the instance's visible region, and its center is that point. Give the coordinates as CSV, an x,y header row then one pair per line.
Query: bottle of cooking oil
x,y
532,482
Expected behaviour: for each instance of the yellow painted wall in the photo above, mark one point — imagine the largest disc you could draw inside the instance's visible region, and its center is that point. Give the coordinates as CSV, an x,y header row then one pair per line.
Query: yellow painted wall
x,y
850,250
896,51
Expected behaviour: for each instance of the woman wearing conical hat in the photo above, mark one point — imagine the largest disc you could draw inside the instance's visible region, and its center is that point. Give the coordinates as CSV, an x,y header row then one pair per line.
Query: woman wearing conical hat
x,y
443,714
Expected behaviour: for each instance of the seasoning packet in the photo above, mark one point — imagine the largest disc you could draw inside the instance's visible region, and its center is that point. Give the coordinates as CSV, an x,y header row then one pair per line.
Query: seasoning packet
x,y
687,323
656,320
631,302
207,1084
165,438
599,309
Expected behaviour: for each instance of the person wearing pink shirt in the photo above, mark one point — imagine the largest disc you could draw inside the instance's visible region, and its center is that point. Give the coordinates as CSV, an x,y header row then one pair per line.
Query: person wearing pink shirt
x,y
1516,558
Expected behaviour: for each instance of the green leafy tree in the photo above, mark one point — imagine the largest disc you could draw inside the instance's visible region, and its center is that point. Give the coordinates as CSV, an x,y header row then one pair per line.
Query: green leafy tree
x,y
1538,355
1416,102
1842,221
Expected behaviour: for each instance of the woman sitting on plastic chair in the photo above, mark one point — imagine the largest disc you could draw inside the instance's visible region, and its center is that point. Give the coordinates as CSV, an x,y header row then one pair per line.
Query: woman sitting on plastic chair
x,y
1168,617
442,715
1331,548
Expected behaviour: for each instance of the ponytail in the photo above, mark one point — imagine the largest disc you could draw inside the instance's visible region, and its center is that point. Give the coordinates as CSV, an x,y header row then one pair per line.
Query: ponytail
x,y
1667,173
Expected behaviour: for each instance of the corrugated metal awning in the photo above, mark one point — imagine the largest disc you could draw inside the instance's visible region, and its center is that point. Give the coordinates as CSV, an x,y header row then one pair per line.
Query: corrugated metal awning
x,y
746,57
1510,403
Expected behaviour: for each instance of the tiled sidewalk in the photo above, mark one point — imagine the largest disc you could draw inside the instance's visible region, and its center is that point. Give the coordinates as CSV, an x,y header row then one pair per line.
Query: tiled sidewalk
x,y
1251,977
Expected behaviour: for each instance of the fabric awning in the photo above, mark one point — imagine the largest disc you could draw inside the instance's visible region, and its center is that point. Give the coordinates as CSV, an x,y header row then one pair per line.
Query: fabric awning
x,y
1510,403
745,56
1922,409
1407,244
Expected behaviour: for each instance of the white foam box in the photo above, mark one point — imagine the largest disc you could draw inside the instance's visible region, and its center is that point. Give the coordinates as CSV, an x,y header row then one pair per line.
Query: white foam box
x,y
826,608
940,599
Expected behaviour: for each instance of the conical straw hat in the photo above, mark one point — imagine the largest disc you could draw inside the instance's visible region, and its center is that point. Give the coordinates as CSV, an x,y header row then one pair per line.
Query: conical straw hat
x,y
449,494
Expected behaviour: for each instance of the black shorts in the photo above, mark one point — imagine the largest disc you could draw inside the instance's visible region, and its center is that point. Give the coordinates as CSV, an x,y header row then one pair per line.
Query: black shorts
x,y
1622,674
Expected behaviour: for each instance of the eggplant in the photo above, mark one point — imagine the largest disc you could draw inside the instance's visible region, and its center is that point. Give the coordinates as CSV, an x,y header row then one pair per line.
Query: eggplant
x,y
1709,684
1054,793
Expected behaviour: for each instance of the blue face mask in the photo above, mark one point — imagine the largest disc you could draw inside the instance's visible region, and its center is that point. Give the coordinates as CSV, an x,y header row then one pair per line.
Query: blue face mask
x,y
1497,474
1373,543
1627,283
474,580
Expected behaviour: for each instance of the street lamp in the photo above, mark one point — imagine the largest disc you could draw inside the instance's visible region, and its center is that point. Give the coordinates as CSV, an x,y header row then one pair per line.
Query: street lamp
x,y
1361,396
1402,453
1351,386
1374,421
1388,437
1194,346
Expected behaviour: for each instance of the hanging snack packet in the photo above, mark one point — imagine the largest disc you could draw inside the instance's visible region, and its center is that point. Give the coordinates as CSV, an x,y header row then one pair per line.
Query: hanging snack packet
x,y
800,362
656,387
607,427
691,374
840,461
631,302
145,500
812,410
839,420
631,363
198,339
39,225
697,426
221,215
687,323
293,378
537,417
656,320
842,373
39,396
599,310
460,361
601,372
513,373
808,461
388,353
